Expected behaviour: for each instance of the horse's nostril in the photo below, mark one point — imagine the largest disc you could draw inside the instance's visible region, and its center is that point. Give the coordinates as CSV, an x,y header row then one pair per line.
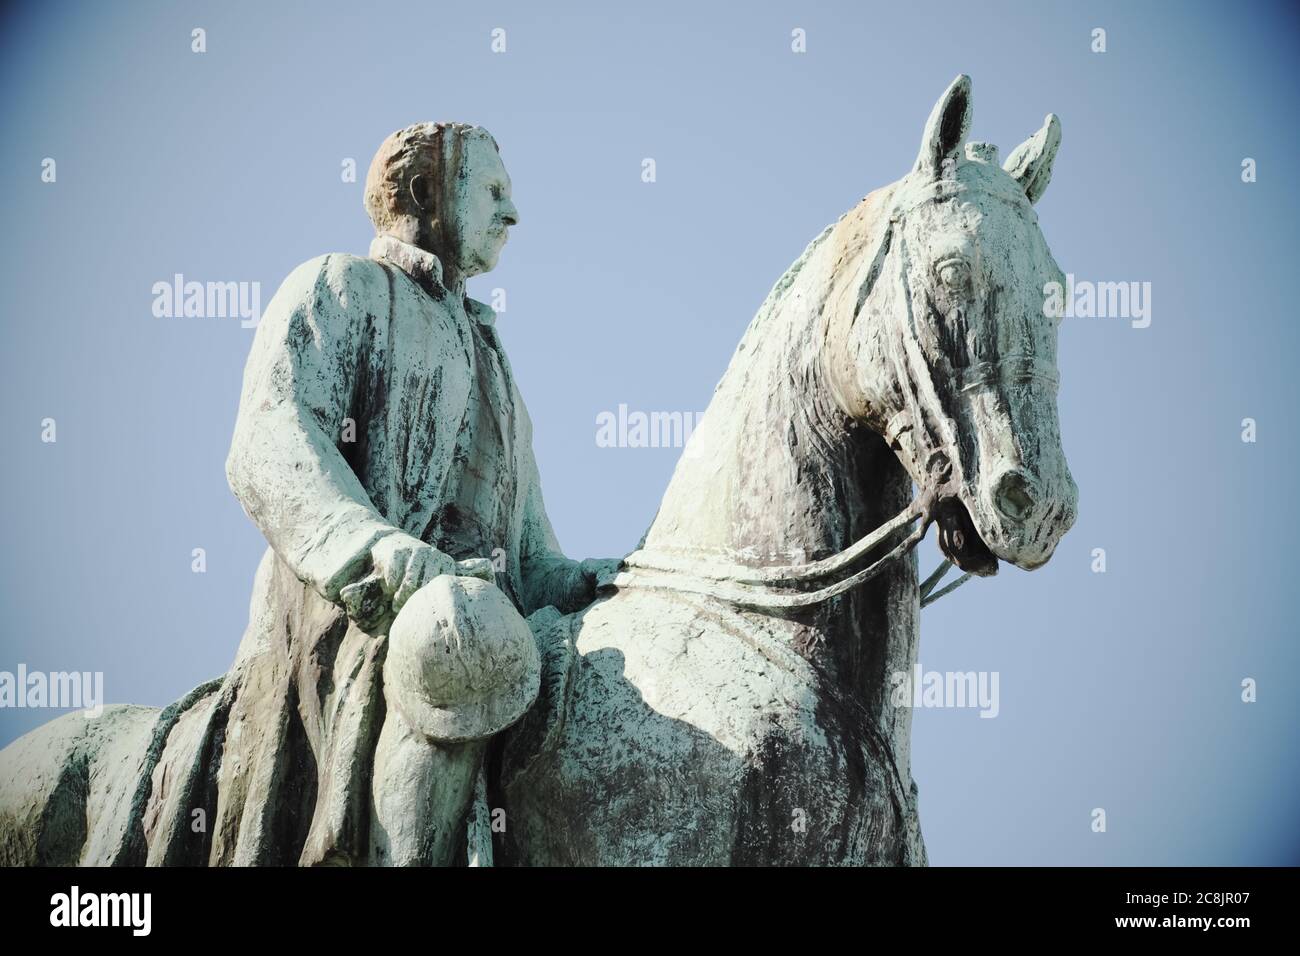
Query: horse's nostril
x,y
1013,497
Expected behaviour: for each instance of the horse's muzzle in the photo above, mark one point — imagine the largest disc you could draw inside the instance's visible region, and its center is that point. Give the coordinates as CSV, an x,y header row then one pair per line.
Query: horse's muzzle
x,y
960,542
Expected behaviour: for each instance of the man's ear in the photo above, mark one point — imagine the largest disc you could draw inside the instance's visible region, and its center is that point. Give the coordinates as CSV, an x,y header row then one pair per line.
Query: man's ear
x,y
419,188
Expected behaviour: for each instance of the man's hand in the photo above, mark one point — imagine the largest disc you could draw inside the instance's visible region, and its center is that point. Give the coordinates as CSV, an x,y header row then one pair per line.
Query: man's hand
x,y
405,564
585,579
400,565
598,572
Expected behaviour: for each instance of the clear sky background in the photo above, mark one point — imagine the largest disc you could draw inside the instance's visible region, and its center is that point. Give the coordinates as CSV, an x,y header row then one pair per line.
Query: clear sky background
x,y
1119,690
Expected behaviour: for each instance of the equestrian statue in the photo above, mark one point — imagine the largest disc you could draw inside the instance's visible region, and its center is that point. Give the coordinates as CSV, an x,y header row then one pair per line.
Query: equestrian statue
x,y
426,679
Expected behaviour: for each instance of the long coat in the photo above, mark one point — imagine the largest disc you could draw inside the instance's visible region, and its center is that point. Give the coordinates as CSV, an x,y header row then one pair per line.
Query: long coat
x,y
373,401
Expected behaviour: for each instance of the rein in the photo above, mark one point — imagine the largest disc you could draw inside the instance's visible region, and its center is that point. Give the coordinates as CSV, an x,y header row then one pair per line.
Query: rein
x,y
777,588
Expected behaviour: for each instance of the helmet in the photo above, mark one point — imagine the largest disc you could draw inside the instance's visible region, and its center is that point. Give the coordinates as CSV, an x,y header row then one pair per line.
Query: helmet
x,y
462,663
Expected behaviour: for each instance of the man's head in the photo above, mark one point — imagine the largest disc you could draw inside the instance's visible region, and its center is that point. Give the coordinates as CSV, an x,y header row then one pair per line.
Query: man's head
x,y
442,187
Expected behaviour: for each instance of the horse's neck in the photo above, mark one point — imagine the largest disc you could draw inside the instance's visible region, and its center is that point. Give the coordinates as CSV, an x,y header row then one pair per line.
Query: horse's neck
x,y
775,473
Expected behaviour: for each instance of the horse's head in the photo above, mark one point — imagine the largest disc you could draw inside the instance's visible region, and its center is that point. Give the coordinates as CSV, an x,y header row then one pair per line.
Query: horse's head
x,y
944,349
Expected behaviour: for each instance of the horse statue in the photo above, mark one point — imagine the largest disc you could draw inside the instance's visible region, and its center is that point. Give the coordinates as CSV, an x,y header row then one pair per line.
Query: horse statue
x,y
726,699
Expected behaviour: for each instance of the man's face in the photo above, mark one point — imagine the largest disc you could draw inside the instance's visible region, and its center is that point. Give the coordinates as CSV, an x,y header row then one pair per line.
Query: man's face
x,y
483,208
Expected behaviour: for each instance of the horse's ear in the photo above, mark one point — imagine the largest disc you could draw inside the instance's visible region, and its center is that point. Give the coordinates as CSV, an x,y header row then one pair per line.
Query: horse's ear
x,y
1030,164
947,126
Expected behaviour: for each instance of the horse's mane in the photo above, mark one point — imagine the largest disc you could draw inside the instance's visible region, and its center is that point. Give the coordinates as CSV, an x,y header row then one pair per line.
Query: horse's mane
x,y
773,356
855,241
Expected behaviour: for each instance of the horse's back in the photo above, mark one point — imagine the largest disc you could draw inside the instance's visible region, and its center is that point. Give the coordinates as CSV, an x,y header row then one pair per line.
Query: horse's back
x,y
686,733
67,788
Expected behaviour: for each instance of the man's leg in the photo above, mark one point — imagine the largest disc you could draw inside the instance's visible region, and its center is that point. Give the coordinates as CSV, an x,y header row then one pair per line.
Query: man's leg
x,y
462,665
422,791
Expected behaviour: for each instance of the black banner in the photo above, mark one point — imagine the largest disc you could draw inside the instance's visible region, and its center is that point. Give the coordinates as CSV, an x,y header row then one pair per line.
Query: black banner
x,y
1168,906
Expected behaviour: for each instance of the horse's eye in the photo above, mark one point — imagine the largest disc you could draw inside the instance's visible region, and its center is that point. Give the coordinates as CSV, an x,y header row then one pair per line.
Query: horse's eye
x,y
955,275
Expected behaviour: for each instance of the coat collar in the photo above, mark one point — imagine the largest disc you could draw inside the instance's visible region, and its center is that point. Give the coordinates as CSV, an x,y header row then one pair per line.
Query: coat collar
x,y
425,268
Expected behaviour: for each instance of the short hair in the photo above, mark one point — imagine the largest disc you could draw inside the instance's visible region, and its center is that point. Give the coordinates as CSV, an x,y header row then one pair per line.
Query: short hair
x,y
421,149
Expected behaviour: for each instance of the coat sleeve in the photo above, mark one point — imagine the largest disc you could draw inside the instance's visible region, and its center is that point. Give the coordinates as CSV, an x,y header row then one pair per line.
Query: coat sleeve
x,y
549,578
285,465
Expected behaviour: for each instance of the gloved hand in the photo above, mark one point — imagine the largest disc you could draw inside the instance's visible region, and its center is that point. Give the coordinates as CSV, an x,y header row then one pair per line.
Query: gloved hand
x,y
401,564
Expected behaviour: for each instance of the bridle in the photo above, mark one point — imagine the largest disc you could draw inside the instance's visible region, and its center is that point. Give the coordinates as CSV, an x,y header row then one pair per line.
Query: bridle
x,y
795,587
